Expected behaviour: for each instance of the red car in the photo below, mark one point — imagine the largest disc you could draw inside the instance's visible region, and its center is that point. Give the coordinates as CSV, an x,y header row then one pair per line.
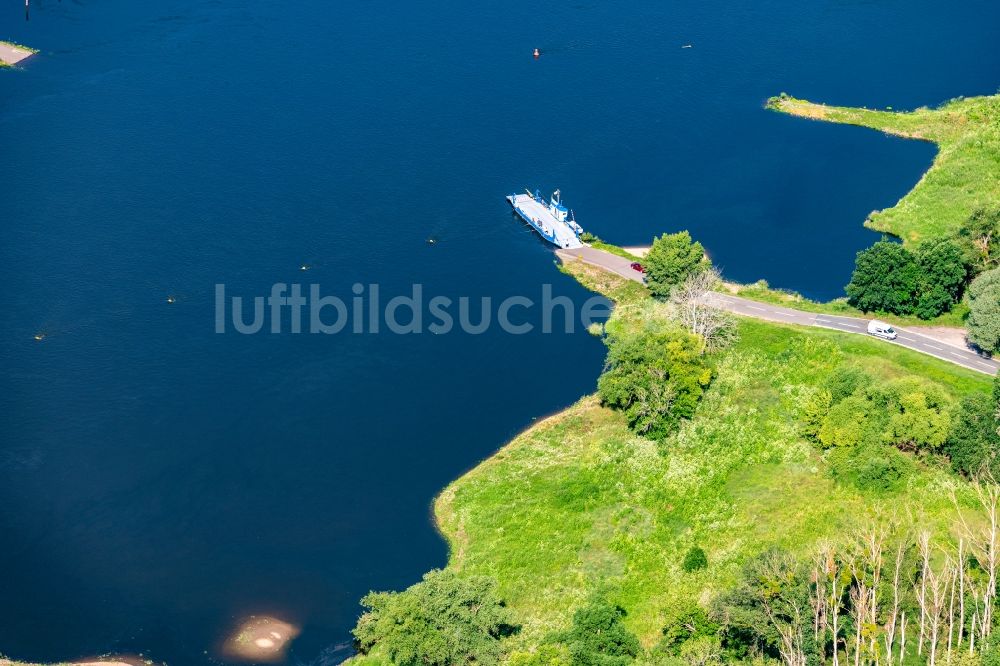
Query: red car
x,y
636,266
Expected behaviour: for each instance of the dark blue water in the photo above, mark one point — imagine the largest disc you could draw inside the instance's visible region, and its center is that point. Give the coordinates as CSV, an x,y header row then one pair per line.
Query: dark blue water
x,y
158,481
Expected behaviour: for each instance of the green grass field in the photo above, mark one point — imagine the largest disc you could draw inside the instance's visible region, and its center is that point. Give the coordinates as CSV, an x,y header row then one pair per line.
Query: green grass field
x,y
965,174
578,503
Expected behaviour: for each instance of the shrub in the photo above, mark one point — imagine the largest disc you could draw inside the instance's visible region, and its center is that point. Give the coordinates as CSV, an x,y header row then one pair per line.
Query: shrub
x,y
984,311
845,380
871,467
694,560
670,260
442,620
814,412
546,655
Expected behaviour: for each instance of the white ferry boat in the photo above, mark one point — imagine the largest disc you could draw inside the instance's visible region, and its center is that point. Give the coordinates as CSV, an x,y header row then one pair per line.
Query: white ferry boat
x,y
552,220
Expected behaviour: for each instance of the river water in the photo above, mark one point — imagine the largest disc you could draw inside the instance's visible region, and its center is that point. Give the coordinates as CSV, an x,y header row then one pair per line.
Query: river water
x,y
159,480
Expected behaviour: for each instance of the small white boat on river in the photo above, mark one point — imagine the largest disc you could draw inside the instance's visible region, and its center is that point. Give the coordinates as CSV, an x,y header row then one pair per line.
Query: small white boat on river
x,y
551,219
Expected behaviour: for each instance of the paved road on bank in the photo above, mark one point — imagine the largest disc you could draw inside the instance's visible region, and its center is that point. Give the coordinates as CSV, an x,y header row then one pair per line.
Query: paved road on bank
x,y
908,337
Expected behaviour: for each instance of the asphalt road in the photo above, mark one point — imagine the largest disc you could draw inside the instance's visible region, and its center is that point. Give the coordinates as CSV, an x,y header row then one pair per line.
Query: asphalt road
x,y
908,337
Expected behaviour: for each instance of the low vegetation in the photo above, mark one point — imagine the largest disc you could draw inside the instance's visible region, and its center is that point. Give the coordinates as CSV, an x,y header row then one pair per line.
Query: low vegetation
x,y
595,242
964,177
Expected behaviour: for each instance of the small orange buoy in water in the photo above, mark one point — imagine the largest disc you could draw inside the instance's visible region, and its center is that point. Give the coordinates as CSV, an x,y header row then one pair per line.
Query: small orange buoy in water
x,y
537,53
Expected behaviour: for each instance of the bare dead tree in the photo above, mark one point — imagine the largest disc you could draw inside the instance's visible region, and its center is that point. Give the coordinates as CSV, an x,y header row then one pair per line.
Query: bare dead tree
x,y
833,603
984,542
693,305
858,611
902,639
937,583
972,633
889,636
788,614
951,610
961,591
923,544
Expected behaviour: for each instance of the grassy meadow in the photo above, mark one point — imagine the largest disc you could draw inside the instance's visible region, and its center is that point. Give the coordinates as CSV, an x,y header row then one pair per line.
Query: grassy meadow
x,y
965,174
578,503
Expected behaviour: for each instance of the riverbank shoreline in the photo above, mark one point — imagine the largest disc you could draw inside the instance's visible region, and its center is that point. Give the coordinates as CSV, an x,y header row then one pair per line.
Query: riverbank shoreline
x,y
962,177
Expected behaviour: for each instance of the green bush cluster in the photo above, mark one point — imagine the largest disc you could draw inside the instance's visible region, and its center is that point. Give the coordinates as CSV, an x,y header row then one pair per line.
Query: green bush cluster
x,y
443,620
655,377
973,444
598,636
929,280
870,467
855,417
852,410
926,282
984,311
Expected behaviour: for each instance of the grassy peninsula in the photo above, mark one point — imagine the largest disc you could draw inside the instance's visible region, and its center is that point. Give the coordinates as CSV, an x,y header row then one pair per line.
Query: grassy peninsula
x,y
579,504
964,177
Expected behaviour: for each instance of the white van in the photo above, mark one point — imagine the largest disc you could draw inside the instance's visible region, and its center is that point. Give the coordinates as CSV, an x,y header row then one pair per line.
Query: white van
x,y
880,329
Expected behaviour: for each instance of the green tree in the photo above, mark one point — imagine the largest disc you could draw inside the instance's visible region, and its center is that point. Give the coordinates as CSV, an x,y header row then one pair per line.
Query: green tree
x,y
984,311
598,636
768,610
814,412
979,237
846,380
973,442
444,620
943,266
694,560
919,414
655,378
688,622
943,276
670,260
847,422
886,279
